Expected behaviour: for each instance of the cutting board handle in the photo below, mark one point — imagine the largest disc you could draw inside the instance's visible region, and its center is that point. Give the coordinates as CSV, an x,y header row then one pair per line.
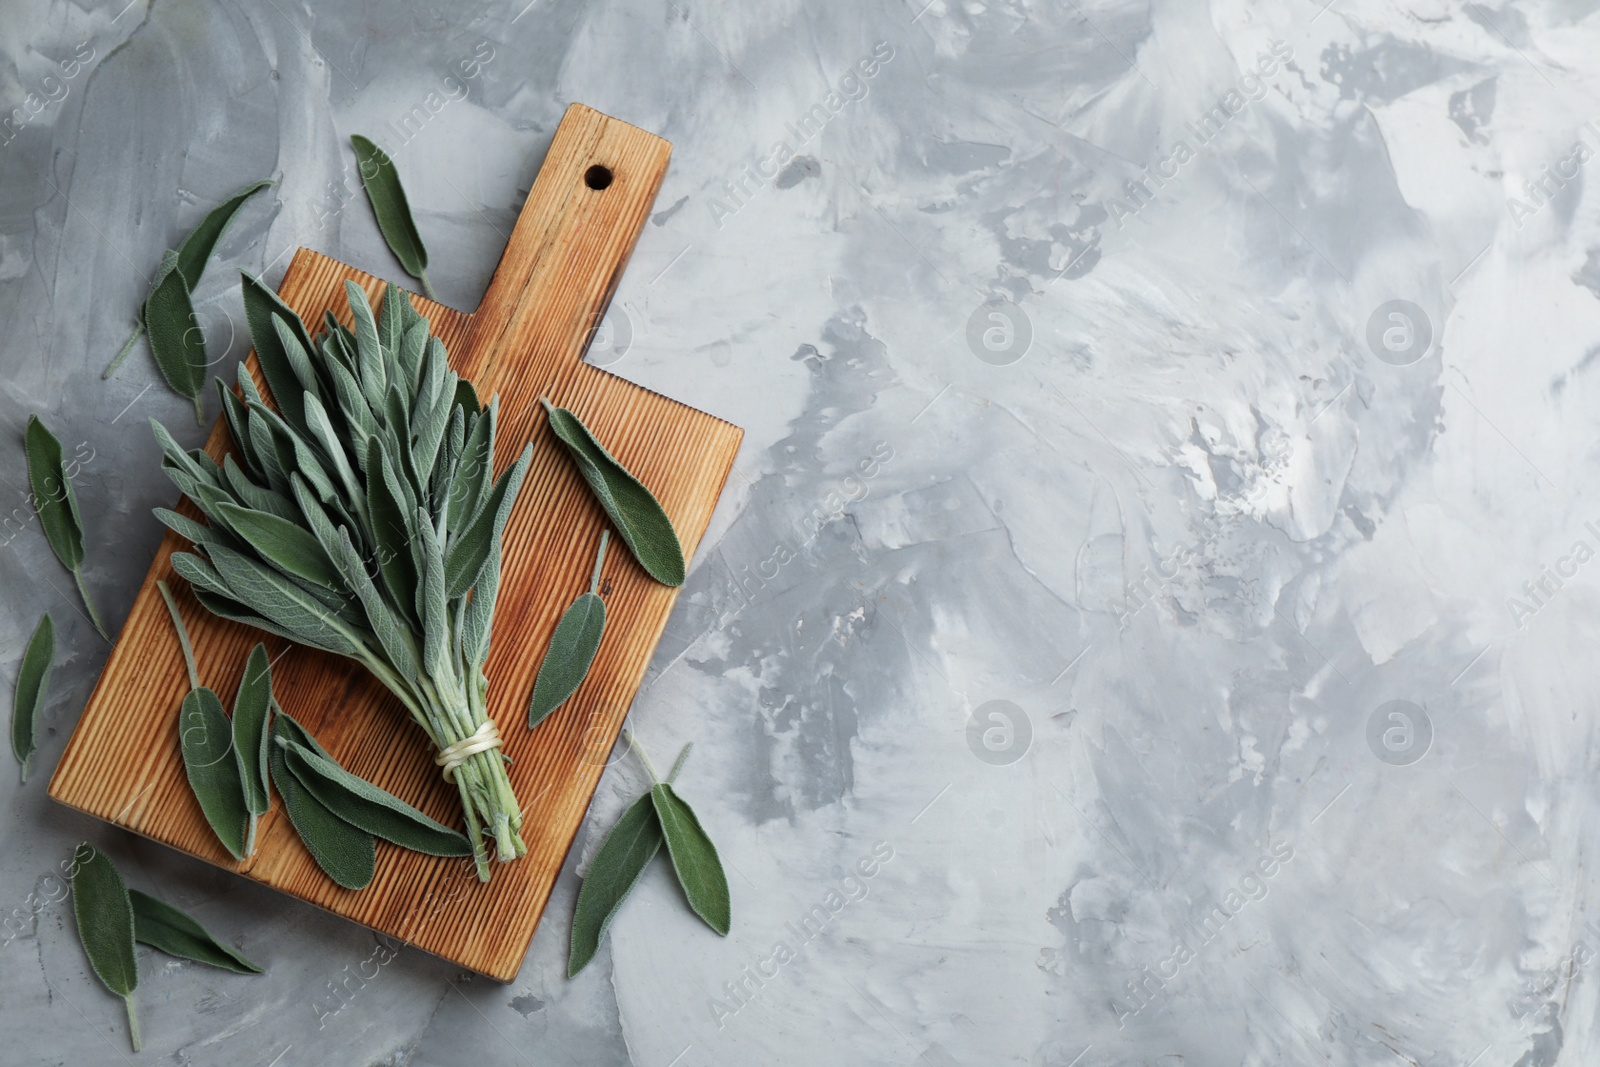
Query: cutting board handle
x,y
571,242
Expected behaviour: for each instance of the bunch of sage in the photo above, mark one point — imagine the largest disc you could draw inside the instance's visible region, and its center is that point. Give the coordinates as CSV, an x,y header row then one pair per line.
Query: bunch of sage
x,y
661,815
57,506
111,917
362,517
33,678
167,313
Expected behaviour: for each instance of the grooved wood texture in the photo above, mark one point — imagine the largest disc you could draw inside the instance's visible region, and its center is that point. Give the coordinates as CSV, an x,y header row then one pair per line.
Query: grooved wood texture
x,y
526,340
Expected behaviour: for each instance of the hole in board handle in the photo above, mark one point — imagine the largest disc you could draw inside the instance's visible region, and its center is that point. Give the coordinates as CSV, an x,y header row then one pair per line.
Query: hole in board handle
x,y
597,177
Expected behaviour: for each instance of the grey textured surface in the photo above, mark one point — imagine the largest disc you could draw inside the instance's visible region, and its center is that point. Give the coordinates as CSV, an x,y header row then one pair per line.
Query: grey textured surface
x,y
1068,351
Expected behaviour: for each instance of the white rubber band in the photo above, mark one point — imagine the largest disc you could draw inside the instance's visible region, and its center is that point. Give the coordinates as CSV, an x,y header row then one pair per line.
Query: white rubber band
x,y
482,739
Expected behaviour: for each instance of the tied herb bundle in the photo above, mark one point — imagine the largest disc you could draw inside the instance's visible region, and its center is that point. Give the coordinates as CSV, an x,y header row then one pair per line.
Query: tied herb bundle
x,y
363,518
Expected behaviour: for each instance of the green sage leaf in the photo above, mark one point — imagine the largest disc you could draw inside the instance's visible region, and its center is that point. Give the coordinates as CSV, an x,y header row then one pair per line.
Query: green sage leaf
x,y
282,543
388,515
345,853
57,505
627,850
197,247
105,926
33,679
366,806
694,858
162,926
632,508
252,723
206,739
193,254
260,305
277,599
176,340
465,557
388,198
572,647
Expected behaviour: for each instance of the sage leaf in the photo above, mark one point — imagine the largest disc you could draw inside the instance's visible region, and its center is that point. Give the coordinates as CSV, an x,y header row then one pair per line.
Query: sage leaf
x,y
364,805
104,915
57,505
176,340
197,247
627,850
391,530
467,553
206,739
388,198
572,648
252,723
33,678
293,609
162,926
694,858
260,305
632,508
284,544
193,254
345,853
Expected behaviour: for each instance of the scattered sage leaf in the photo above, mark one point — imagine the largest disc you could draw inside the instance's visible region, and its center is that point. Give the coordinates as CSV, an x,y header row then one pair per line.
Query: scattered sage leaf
x,y
694,858
572,647
388,198
367,807
193,254
627,850
197,247
162,926
57,505
33,678
632,508
252,724
206,739
176,340
345,853
105,926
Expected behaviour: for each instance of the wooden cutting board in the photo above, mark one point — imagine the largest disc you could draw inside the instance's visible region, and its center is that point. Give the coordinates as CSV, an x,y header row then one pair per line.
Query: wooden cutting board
x,y
525,341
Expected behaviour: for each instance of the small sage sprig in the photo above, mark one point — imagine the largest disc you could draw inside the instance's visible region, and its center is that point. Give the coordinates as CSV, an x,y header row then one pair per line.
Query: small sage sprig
x,y
33,678
572,647
162,926
388,198
362,517
205,739
105,926
632,508
190,263
57,506
661,815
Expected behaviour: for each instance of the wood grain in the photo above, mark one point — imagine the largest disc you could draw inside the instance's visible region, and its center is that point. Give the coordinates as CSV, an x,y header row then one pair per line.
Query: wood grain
x,y
525,341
